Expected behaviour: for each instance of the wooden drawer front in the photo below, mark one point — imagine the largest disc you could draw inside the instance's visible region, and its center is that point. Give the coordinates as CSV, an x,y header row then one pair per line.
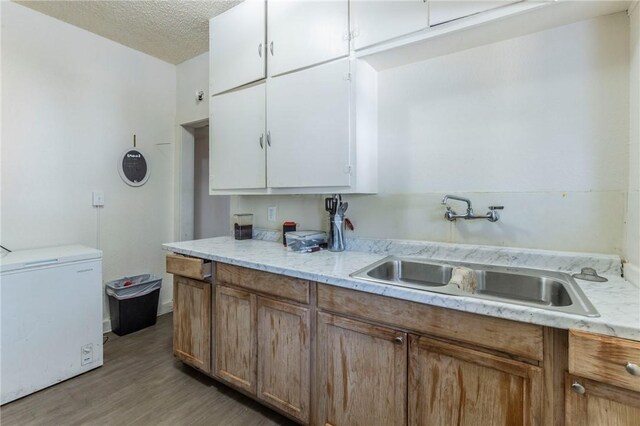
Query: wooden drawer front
x,y
191,267
516,338
604,359
264,282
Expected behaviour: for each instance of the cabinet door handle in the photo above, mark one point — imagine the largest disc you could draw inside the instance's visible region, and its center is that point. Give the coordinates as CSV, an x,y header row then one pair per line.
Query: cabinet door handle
x,y
262,141
271,48
260,50
578,388
399,340
269,138
632,369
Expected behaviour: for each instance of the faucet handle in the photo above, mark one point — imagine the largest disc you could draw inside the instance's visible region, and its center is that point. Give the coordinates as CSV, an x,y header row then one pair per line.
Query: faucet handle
x,y
496,207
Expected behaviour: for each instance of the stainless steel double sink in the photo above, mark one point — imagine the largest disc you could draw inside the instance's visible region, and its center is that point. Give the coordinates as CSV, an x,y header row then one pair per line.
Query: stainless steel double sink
x,y
550,290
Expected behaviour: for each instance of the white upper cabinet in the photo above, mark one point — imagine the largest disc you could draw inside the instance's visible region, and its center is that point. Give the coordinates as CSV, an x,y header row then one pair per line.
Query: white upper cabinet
x,y
308,129
306,33
237,46
373,22
441,11
237,140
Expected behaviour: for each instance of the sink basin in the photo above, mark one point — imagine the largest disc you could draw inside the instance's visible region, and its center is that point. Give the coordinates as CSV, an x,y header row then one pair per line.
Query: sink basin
x,y
526,288
549,290
414,273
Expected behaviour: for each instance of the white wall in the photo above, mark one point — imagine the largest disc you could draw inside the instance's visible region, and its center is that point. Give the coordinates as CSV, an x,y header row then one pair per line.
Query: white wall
x,y
192,76
72,102
198,215
211,212
538,124
632,221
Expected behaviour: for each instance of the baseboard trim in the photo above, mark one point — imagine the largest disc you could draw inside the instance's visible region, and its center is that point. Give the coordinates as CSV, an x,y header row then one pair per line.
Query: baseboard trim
x,y
164,308
106,325
631,273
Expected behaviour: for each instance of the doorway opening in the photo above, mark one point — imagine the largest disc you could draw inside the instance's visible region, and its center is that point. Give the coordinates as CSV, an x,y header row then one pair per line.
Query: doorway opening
x,y
200,215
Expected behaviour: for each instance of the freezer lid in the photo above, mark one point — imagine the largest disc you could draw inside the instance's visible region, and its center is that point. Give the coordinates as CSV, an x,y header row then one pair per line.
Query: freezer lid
x,y
28,259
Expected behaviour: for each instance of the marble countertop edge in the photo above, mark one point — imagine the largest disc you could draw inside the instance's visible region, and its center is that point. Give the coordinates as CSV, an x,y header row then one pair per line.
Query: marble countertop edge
x,y
618,302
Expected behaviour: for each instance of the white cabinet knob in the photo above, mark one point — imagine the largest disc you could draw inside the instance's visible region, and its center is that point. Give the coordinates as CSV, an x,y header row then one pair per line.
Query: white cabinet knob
x,y
632,369
578,388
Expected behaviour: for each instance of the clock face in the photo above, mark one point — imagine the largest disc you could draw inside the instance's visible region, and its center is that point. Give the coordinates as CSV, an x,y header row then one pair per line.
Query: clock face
x,y
133,168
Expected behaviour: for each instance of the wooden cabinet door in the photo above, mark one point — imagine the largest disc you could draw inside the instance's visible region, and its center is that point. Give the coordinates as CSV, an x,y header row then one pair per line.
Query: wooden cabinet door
x,y
450,384
309,127
441,11
236,139
235,338
376,21
306,33
192,322
237,46
284,357
362,373
591,403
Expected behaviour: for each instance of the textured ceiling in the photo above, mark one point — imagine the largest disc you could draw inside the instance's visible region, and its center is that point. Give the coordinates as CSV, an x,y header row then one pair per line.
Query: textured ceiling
x,y
172,30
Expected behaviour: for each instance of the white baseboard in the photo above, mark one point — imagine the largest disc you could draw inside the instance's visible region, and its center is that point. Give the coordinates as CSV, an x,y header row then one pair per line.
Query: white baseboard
x,y
164,308
106,325
631,273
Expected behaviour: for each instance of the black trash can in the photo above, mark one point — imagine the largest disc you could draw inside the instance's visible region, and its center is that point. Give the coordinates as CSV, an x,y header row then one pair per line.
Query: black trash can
x,y
133,302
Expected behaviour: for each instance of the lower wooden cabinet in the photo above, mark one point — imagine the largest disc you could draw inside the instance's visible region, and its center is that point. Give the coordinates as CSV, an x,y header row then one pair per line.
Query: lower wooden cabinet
x,y
456,385
369,375
362,373
263,347
192,322
235,338
284,357
267,335
591,403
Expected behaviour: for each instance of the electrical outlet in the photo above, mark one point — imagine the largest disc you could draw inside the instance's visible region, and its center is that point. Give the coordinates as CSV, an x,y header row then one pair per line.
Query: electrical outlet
x,y
271,213
86,353
97,198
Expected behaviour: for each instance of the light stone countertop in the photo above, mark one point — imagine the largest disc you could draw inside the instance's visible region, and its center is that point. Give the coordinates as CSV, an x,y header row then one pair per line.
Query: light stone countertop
x,y
617,300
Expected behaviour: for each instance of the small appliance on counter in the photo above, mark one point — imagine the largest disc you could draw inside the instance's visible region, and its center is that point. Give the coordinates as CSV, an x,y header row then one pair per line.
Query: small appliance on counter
x,y
305,241
243,226
287,227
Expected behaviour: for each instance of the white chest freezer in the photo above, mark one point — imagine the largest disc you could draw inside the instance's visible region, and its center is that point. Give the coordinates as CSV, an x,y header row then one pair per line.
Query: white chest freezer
x,y
50,317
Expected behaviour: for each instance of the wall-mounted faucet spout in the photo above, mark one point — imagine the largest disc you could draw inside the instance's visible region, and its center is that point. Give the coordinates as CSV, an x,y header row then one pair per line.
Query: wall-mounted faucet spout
x,y
451,215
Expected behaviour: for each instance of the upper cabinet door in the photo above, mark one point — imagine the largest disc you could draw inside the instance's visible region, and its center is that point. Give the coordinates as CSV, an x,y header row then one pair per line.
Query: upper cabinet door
x,y
373,22
441,11
236,139
237,46
308,128
305,33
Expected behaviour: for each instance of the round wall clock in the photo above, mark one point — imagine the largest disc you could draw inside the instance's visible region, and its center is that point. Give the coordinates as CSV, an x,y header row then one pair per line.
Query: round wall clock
x,y
133,167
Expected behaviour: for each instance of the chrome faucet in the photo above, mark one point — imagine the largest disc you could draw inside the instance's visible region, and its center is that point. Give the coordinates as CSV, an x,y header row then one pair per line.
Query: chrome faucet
x,y
451,215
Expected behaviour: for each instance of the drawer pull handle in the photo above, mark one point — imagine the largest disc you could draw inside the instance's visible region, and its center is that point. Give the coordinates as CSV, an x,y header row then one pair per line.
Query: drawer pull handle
x,y
399,340
632,369
578,388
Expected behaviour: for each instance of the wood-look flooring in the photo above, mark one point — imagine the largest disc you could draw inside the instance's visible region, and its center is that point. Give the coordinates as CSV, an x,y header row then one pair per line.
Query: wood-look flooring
x,y
140,383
